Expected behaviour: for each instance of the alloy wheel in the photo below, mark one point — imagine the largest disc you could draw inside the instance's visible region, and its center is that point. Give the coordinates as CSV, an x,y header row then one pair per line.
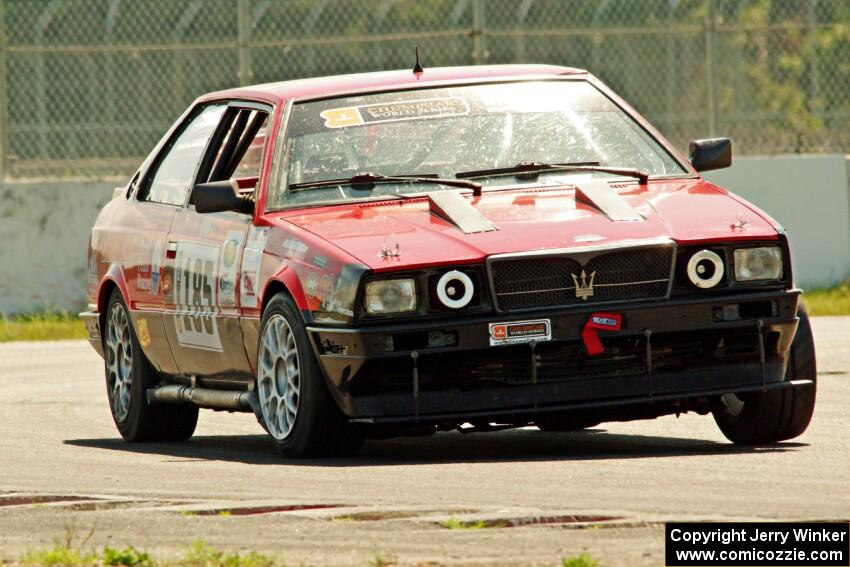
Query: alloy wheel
x,y
119,361
278,377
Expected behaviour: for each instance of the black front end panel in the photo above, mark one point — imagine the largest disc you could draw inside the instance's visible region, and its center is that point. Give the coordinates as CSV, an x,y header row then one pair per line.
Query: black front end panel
x,y
669,350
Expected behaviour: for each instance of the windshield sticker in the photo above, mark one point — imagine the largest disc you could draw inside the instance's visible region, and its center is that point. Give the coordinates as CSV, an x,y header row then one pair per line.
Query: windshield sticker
x,y
395,112
195,287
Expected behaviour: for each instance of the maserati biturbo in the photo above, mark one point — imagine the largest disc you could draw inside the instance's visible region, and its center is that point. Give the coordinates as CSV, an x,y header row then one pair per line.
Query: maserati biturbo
x,y
401,253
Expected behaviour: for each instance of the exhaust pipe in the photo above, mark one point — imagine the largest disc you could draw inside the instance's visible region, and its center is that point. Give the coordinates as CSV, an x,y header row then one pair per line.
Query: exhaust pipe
x,y
203,397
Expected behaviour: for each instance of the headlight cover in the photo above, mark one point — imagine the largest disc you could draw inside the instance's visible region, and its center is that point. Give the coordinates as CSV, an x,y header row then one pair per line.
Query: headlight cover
x,y
756,264
391,296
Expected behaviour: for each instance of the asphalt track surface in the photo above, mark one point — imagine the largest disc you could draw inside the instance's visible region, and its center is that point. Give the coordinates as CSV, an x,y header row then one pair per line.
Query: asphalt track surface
x,y
606,491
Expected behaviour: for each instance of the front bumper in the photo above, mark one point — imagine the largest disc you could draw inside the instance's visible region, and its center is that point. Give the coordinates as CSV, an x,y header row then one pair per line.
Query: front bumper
x,y
665,350
91,319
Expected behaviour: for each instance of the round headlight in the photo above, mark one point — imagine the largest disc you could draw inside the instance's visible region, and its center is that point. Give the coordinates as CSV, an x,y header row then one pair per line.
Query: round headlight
x,y
705,269
455,289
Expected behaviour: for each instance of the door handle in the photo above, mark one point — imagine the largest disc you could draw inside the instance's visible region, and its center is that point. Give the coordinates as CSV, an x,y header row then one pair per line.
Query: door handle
x,y
171,250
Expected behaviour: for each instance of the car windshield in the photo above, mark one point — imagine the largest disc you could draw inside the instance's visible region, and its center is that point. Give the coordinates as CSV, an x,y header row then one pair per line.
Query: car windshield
x,y
441,132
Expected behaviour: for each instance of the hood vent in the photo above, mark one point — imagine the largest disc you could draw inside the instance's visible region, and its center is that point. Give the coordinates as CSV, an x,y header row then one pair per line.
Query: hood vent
x,y
456,209
607,200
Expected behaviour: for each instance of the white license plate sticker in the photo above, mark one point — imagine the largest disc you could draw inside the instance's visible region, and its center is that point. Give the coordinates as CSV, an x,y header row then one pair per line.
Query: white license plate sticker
x,y
517,332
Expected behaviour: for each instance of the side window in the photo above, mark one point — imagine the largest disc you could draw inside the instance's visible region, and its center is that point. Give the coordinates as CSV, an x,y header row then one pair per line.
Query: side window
x,y
175,172
252,161
236,150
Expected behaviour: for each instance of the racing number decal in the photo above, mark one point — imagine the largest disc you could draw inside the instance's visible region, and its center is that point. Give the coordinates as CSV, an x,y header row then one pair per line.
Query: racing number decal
x,y
195,289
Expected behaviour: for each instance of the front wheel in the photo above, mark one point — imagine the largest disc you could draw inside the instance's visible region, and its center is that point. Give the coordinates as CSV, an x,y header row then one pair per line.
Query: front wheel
x,y
767,417
295,405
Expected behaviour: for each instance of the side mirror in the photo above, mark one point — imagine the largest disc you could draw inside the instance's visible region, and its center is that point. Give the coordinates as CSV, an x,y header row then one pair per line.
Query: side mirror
x,y
706,155
221,196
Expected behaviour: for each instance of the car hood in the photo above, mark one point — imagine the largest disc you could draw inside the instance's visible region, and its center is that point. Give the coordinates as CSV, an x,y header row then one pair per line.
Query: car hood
x,y
527,219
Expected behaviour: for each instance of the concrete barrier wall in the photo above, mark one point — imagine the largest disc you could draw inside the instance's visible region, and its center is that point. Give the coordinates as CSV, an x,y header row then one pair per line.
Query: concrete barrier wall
x,y
44,234
808,195
44,227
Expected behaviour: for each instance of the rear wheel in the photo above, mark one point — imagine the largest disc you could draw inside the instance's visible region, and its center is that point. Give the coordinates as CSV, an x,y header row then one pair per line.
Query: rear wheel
x,y
128,377
767,417
296,408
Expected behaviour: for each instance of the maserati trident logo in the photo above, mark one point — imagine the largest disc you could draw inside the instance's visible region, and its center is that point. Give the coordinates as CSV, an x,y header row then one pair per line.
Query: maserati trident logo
x,y
584,285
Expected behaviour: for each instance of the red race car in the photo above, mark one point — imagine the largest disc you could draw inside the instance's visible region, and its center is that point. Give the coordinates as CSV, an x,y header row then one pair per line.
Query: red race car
x,y
401,253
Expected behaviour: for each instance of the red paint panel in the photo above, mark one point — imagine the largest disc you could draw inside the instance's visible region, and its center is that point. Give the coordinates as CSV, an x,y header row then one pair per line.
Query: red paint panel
x,y
688,211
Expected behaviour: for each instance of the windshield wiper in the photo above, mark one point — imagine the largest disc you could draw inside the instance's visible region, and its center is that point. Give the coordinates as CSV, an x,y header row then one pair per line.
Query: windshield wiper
x,y
533,168
371,178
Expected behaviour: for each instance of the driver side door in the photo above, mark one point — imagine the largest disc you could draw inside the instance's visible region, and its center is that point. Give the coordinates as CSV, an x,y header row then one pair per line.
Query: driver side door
x,y
205,251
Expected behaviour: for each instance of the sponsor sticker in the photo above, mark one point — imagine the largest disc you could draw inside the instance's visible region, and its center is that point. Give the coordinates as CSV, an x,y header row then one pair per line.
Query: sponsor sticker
x,y
606,321
227,263
156,267
294,248
144,333
517,332
252,258
312,284
394,112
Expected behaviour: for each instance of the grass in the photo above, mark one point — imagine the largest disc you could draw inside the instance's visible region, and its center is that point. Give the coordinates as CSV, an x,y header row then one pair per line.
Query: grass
x,y
455,524
69,550
128,556
44,326
832,301
59,555
582,560
199,554
67,553
381,560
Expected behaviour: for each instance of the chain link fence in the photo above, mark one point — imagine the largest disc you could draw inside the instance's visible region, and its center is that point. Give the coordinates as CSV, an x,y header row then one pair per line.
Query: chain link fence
x,y
89,86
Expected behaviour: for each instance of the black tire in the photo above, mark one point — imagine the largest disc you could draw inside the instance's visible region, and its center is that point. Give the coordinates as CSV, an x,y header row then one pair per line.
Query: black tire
x,y
319,429
141,421
564,422
779,415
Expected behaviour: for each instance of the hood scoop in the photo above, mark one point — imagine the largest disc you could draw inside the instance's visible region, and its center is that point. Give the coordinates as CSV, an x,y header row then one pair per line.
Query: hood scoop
x,y
456,209
604,198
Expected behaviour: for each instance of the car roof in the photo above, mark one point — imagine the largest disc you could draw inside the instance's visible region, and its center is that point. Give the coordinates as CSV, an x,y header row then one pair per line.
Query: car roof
x,y
339,84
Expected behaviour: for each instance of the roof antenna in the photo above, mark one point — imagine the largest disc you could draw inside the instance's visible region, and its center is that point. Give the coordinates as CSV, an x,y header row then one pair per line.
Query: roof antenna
x,y
417,68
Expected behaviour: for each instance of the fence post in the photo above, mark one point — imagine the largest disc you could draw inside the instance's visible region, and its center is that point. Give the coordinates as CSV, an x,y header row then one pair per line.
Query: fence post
x,y
243,41
814,102
710,33
479,23
4,112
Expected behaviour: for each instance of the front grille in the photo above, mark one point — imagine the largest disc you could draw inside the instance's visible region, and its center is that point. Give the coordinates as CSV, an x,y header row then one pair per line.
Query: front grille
x,y
547,281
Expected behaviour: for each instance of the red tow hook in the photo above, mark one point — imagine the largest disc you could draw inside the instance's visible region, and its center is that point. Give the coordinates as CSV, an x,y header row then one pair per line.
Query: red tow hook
x,y
599,322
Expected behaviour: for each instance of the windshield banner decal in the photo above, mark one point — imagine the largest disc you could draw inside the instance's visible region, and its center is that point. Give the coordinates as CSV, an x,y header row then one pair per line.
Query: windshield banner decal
x,y
395,112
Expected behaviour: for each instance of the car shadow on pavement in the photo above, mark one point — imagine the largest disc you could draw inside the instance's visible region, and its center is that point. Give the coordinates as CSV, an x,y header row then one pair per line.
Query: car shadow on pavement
x,y
504,446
